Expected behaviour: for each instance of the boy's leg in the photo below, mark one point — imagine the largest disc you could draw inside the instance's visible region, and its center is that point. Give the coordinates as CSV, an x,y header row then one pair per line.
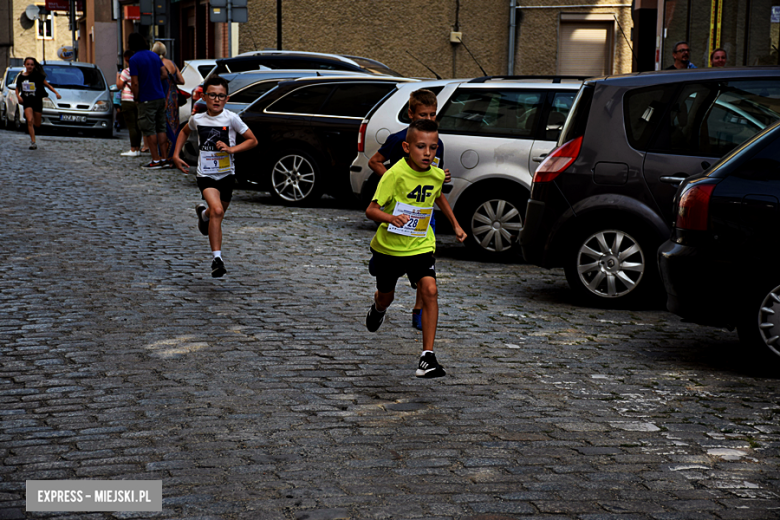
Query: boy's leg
x,y
215,212
426,287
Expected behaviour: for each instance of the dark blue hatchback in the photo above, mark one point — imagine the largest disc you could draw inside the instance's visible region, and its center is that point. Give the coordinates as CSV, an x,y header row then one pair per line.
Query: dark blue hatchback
x,y
721,265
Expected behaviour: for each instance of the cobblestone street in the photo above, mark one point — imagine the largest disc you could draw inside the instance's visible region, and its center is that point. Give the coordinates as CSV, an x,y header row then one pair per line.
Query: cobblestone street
x,y
262,396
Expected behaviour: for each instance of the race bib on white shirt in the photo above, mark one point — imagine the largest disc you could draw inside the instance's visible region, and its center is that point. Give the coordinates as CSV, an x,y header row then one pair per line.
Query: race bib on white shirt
x,y
215,162
419,220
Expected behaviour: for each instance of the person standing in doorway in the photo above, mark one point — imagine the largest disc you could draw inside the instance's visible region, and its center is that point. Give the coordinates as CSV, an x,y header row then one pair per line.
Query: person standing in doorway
x,y
147,74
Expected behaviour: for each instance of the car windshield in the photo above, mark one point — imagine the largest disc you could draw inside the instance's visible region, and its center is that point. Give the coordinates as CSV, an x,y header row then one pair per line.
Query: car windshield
x,y
11,76
74,77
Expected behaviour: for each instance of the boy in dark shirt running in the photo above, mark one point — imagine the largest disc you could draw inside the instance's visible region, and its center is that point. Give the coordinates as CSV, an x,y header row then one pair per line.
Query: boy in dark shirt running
x,y
422,105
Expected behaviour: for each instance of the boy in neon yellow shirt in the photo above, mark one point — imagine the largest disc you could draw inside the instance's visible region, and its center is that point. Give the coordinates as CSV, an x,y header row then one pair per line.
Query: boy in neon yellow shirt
x,y
405,242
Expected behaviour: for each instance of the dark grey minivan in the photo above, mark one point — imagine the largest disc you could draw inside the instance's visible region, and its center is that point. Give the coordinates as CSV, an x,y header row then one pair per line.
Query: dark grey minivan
x,y
601,202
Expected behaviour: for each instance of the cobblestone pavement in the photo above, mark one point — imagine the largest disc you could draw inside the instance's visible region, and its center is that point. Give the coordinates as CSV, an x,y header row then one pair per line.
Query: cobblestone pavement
x,y
262,396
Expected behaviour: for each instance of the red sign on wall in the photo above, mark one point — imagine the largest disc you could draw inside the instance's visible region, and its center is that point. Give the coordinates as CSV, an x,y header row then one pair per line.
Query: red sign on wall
x,y
63,5
132,12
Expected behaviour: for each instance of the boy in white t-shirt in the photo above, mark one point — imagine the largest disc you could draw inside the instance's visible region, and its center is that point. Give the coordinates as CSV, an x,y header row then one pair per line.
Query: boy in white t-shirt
x,y
217,129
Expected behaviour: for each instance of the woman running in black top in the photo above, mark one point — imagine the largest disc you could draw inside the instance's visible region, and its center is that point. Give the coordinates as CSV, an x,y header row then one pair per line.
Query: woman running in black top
x,y
31,87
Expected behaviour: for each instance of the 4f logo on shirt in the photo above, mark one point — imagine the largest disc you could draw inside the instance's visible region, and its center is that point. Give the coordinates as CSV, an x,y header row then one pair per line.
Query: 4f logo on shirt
x,y
420,193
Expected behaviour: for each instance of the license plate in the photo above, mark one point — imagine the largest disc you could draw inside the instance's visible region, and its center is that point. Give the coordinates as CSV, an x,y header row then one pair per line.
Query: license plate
x,y
73,119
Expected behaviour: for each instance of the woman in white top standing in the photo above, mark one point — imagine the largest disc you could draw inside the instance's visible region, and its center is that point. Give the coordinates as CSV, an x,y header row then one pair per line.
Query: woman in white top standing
x,y
129,108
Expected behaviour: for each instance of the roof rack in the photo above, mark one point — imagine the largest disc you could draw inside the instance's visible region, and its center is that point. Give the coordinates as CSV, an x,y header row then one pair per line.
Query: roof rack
x,y
555,79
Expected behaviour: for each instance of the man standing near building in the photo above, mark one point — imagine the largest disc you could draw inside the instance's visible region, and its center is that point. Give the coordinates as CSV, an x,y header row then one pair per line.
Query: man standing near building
x,y
147,73
682,57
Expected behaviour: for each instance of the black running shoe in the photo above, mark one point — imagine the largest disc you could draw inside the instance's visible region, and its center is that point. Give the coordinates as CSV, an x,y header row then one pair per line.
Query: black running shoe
x,y
374,319
429,367
33,146
203,227
218,268
153,165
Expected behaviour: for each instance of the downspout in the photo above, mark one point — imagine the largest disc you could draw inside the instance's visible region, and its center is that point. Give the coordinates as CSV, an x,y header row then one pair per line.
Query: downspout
x,y
512,37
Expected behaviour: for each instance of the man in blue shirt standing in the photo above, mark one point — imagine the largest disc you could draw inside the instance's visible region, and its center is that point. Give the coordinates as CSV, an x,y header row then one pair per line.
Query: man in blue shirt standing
x,y
147,73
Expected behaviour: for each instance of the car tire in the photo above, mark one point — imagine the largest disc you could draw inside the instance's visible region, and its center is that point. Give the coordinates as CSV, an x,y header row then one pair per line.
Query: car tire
x,y
492,218
759,323
296,178
613,264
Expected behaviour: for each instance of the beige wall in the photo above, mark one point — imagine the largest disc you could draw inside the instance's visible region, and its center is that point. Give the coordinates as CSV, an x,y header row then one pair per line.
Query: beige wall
x,y
386,29
25,41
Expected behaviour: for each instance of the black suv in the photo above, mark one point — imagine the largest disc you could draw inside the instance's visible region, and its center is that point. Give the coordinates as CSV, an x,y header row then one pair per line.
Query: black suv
x,y
308,132
601,202
720,266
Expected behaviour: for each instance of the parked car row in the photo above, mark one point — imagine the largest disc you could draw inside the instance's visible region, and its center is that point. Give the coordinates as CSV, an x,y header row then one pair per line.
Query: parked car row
x,y
619,184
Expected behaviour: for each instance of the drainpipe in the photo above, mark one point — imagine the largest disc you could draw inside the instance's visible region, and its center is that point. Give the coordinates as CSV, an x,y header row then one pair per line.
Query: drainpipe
x,y
512,37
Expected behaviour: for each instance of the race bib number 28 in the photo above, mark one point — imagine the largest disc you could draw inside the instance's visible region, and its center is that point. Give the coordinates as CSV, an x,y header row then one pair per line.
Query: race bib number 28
x,y
419,219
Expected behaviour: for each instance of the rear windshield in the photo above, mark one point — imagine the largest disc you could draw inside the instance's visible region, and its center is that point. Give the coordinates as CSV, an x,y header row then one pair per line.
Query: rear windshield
x,y
205,69
74,77
374,67
578,117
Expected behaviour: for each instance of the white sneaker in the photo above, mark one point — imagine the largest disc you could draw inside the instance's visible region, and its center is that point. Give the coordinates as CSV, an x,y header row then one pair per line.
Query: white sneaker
x,y
130,153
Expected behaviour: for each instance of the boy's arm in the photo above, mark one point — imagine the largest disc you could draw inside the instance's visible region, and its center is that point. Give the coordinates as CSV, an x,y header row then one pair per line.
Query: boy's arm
x,y
183,136
377,163
250,141
445,208
375,213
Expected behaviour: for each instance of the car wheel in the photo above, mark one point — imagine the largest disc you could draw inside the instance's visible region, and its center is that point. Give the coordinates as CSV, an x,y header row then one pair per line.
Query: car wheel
x,y
296,178
612,265
18,122
493,220
759,324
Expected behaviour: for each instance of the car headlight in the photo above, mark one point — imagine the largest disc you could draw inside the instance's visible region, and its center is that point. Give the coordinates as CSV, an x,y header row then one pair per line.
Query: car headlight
x,y
101,106
48,103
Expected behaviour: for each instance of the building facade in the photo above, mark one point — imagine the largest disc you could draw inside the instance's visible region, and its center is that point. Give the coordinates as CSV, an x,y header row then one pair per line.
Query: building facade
x,y
38,38
543,38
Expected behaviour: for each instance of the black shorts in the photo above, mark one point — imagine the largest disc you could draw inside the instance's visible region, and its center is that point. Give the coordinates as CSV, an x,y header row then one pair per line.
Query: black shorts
x,y
33,102
224,185
388,269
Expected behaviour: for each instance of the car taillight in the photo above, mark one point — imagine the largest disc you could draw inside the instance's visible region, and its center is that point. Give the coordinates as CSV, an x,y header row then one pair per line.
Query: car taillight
x,y
558,160
362,136
197,93
199,108
693,210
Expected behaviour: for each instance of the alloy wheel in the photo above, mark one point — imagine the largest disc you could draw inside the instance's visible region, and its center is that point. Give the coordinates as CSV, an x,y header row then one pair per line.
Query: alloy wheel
x,y
769,320
610,263
495,225
293,178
